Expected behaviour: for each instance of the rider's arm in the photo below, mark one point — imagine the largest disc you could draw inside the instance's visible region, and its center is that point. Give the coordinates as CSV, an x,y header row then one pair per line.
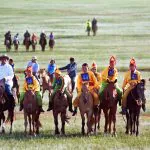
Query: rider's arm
x,y
25,86
63,68
79,83
125,81
105,74
35,84
10,73
93,79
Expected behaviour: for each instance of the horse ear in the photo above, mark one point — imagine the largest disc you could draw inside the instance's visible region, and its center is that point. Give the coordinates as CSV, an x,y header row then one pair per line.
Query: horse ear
x,y
143,81
115,81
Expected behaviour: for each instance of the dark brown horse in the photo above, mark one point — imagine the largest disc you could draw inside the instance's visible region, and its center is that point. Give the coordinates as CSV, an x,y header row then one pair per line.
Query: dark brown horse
x,y
109,106
27,43
8,45
94,29
31,113
5,104
43,43
51,44
134,102
16,45
60,107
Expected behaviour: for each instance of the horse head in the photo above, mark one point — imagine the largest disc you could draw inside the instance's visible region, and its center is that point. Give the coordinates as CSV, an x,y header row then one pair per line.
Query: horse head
x,y
85,91
140,88
111,92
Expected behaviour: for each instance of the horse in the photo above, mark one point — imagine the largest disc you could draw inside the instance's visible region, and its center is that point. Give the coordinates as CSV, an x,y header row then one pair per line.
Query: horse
x,y
86,107
134,102
51,44
34,43
8,45
5,104
31,112
16,45
27,43
60,107
94,29
45,81
109,107
43,43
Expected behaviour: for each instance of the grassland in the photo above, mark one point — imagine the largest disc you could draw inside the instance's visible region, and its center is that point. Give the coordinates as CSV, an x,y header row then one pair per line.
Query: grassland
x,y
124,31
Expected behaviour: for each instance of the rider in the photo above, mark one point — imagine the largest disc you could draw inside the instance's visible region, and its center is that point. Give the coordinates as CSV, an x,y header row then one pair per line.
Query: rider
x,y
58,84
51,69
15,78
132,77
88,25
31,83
6,73
8,37
34,38
110,74
86,76
16,38
97,75
26,35
35,67
51,36
72,71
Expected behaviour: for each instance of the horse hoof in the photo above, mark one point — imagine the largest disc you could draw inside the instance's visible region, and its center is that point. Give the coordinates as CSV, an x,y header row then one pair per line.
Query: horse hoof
x,y
126,132
105,134
114,135
3,131
57,132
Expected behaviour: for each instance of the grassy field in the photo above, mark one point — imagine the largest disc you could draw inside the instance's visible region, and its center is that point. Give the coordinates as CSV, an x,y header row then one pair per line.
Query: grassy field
x,y
124,31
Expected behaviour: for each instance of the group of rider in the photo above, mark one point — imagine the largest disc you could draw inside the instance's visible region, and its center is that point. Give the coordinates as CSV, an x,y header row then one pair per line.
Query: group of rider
x,y
97,82
91,25
32,38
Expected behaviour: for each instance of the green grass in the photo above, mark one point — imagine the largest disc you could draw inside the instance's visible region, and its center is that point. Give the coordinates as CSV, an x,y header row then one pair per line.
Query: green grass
x,y
124,31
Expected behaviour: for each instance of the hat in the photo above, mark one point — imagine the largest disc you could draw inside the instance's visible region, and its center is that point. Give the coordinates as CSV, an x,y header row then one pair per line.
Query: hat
x,y
112,59
132,62
94,65
34,58
29,69
58,71
4,56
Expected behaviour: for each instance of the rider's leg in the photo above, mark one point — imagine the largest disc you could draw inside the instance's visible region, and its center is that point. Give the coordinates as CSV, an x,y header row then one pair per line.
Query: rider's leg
x,y
101,92
69,98
96,101
39,100
76,103
73,83
50,106
119,94
21,100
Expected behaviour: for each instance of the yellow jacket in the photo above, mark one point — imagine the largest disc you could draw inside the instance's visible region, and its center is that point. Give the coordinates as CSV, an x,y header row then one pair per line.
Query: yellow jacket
x,y
86,77
31,83
111,78
128,80
99,79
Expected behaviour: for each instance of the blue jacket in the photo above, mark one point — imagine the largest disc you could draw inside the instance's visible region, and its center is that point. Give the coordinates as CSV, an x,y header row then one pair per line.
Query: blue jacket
x,y
71,69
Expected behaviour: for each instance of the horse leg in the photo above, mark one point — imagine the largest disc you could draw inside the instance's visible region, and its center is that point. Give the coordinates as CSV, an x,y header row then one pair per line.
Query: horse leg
x,y
134,122
25,122
11,120
83,124
33,124
89,123
110,119
128,123
30,129
106,120
114,121
137,125
131,122
37,122
99,117
63,117
56,123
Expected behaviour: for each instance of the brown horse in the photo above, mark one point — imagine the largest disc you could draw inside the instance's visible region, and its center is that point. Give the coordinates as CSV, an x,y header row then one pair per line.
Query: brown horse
x,y
86,107
134,102
43,43
109,106
51,44
31,112
60,107
27,43
5,104
8,45
94,29
16,45
34,43
45,81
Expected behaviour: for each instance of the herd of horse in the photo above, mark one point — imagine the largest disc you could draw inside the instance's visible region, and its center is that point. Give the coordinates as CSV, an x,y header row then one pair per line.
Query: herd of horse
x,y
28,42
108,105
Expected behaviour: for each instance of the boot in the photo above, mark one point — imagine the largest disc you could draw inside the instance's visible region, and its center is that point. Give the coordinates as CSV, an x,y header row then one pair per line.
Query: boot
x,y
95,109
70,106
75,111
144,107
123,112
21,107
50,107
41,109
